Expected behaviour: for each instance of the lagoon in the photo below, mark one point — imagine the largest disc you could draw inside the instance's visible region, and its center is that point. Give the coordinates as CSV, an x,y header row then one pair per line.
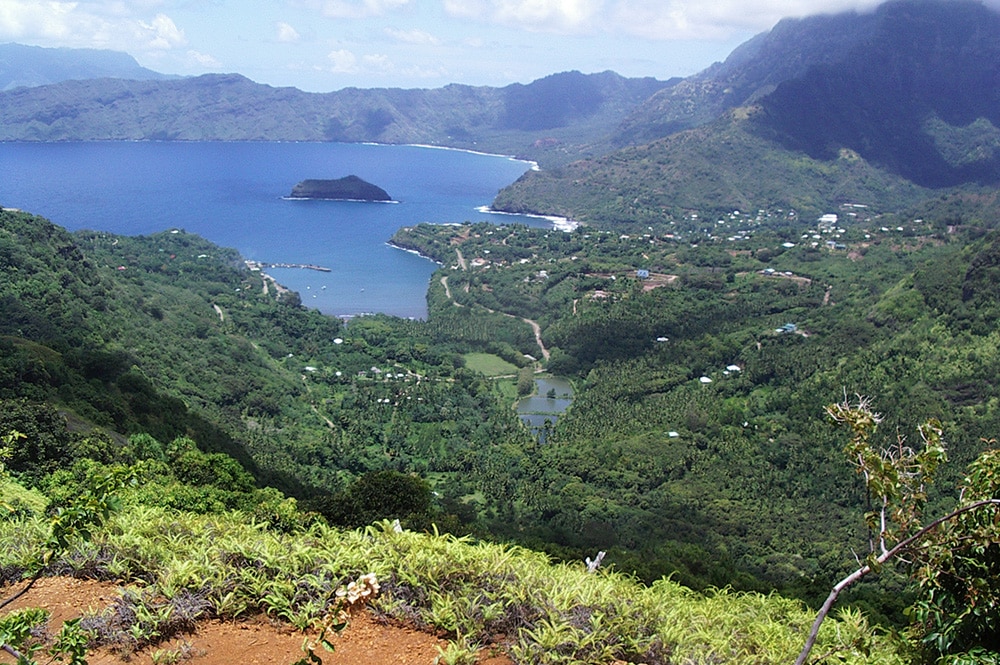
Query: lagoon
x,y
234,195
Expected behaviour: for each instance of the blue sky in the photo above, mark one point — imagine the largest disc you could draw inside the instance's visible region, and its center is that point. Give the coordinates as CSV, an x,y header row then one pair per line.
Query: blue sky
x,y
323,45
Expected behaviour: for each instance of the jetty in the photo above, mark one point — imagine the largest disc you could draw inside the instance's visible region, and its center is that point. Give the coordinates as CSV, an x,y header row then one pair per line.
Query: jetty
x,y
261,265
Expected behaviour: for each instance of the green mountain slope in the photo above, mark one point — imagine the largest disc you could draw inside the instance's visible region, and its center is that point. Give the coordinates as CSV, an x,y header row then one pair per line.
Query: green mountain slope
x,y
172,336
668,453
169,339
729,164
481,597
821,111
905,97
752,70
732,481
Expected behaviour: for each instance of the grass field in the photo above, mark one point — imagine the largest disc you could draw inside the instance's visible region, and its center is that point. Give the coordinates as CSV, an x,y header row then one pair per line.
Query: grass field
x,y
489,364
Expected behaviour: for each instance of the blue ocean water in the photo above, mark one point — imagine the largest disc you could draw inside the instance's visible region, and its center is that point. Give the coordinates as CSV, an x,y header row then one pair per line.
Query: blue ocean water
x,y
232,194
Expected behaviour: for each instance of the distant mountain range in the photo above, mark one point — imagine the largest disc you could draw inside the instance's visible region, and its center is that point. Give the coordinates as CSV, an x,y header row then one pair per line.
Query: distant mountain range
x,y
559,114
881,108
31,66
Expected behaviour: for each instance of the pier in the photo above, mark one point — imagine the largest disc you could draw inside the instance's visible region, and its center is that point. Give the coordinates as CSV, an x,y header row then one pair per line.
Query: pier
x,y
261,265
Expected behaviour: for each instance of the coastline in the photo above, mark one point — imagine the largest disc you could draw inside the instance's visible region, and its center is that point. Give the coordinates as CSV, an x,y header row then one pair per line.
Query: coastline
x,y
276,232
410,250
558,223
319,198
533,165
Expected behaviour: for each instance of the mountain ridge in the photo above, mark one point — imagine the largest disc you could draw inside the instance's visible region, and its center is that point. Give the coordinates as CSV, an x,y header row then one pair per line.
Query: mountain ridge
x,y
231,107
880,107
907,90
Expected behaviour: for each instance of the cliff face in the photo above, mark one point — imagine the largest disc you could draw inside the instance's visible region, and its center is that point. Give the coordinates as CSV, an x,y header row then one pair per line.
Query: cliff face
x,y
351,188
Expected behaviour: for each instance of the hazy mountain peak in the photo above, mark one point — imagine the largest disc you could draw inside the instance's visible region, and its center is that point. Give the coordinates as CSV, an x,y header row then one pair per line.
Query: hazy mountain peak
x,y
796,46
886,105
29,66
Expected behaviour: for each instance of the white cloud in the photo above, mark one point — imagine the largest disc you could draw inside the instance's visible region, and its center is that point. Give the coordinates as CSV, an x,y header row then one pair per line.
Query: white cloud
x,y
203,60
90,23
415,37
162,33
342,62
554,15
20,20
346,62
685,19
377,62
352,8
286,33
650,19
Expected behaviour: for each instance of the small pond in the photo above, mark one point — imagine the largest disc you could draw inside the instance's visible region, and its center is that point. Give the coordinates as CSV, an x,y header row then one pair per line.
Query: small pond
x,y
553,395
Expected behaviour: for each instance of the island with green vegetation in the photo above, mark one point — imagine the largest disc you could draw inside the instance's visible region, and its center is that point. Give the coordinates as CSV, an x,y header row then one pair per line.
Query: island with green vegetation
x,y
349,188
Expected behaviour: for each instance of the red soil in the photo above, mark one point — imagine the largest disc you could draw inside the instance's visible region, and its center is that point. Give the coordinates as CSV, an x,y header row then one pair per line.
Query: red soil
x,y
255,641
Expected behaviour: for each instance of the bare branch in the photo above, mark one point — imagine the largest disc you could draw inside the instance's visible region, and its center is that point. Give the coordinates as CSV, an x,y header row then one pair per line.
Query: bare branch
x,y
864,570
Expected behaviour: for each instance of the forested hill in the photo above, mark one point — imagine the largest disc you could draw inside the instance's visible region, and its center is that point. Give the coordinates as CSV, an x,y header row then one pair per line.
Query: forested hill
x,y
562,113
865,108
170,335
171,341
699,412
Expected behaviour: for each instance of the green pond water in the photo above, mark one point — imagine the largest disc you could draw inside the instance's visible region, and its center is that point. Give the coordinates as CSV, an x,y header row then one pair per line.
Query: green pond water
x,y
552,397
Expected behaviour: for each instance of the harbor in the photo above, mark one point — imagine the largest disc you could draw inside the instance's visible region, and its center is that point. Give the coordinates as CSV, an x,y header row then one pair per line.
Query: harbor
x,y
261,265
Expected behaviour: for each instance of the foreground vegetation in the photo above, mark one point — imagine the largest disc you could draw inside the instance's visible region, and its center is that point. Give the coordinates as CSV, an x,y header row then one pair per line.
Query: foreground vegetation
x,y
177,568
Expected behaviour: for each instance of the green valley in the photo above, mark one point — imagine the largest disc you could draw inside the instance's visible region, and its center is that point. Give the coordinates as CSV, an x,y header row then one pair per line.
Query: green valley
x,y
702,353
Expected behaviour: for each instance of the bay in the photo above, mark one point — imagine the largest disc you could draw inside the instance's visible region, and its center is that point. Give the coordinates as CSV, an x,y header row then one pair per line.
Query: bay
x,y
233,194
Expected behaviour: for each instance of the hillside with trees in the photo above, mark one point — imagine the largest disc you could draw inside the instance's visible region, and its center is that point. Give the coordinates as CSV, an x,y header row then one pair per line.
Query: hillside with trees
x,y
172,336
700,385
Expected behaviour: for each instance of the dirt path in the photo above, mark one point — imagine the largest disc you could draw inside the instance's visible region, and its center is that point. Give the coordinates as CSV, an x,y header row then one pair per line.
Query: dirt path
x,y
278,288
255,640
534,324
447,291
538,337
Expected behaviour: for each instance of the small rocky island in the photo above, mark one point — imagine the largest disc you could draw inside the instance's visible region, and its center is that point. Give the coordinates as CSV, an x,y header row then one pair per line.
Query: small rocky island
x,y
351,188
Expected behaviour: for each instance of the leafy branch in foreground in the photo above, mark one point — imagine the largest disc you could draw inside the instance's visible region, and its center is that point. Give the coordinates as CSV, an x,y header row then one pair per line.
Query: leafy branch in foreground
x,y
961,613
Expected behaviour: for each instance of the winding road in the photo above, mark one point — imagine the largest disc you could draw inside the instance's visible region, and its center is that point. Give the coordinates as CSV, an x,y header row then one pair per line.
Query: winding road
x,y
534,324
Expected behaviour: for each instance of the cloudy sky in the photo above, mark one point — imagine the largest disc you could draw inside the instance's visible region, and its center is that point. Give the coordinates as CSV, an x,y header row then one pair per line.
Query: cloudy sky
x,y
323,45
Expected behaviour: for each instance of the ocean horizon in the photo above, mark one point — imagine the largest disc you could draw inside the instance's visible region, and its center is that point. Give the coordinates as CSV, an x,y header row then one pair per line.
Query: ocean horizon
x,y
235,194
